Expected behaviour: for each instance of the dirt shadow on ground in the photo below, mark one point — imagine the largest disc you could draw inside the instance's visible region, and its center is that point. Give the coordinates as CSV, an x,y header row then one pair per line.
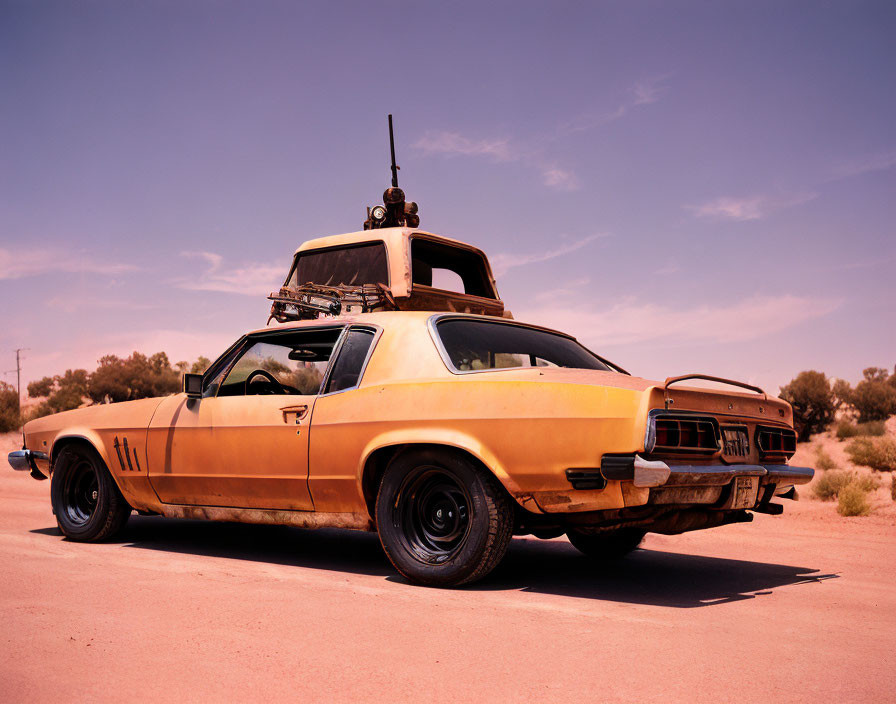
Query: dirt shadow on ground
x,y
549,567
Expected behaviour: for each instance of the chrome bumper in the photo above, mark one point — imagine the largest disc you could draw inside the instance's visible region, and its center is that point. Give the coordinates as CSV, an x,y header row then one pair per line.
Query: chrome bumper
x,y
650,474
27,460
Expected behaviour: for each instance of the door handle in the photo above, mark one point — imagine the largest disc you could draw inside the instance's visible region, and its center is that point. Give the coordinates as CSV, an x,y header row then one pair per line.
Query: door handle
x,y
300,411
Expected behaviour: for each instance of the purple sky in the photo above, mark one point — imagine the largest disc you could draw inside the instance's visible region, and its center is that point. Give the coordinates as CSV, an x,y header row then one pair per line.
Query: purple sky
x,y
705,187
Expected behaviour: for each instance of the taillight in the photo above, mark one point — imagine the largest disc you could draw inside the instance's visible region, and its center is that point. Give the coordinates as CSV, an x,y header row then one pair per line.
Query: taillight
x,y
775,441
684,434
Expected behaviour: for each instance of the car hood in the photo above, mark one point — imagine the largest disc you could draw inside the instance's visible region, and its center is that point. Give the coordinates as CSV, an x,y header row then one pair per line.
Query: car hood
x,y
126,414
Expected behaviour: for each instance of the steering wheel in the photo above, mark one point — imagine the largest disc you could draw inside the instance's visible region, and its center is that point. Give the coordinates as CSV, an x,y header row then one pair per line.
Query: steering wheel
x,y
279,388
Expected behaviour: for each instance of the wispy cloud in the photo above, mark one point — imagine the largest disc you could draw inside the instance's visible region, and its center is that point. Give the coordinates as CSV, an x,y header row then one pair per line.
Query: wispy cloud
x,y
642,93
504,262
747,208
250,280
867,164
534,152
455,144
35,262
631,321
561,179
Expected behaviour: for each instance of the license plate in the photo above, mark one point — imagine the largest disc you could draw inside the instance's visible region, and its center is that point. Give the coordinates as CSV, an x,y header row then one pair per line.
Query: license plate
x,y
737,443
745,490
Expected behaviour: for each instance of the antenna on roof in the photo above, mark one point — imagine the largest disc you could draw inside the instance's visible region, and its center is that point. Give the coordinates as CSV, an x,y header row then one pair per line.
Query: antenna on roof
x,y
394,212
392,148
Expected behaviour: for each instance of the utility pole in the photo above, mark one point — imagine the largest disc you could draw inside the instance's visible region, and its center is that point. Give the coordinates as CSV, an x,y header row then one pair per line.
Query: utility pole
x,y
19,375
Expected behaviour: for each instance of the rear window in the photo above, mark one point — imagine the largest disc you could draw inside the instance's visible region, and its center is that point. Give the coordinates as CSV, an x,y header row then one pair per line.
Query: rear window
x,y
341,266
473,345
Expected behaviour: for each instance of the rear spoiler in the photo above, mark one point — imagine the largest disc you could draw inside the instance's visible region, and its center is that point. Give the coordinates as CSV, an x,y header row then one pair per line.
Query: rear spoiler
x,y
675,379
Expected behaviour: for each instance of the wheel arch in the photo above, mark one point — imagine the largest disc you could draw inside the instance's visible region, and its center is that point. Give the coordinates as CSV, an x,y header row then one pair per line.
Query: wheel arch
x,y
86,438
381,452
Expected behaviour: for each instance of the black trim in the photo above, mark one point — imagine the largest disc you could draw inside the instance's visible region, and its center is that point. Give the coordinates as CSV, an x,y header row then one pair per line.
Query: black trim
x,y
586,478
618,468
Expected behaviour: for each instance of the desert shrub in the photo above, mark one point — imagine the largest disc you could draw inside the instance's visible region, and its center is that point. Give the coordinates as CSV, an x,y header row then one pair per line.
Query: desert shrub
x,y
9,408
830,484
853,501
845,429
823,460
874,398
64,392
877,453
812,400
893,487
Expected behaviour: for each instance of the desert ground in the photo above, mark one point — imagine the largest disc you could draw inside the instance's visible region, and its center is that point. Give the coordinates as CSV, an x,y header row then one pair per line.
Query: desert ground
x,y
799,607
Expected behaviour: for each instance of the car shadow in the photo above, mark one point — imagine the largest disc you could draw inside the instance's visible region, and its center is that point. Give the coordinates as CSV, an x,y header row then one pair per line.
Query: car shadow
x,y
649,577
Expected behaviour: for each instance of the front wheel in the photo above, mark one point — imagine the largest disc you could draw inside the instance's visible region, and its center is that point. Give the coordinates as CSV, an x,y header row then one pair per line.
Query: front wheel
x,y
87,503
607,546
442,520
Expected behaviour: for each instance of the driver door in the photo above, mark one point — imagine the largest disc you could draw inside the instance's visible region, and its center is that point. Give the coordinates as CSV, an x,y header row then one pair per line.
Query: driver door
x,y
245,443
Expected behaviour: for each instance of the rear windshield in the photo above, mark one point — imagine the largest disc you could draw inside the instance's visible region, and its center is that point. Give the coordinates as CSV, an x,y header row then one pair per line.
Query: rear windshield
x,y
341,266
473,345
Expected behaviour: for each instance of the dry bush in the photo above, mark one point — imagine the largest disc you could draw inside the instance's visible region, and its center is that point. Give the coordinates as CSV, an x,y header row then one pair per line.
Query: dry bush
x,y
830,484
823,460
893,487
874,428
9,408
853,501
877,453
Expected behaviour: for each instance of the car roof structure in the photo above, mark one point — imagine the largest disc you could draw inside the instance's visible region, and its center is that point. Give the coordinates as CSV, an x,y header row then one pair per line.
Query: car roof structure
x,y
392,268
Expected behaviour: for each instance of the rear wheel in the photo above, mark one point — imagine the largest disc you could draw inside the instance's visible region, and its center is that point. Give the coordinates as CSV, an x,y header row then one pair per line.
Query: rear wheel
x,y
87,503
442,520
607,546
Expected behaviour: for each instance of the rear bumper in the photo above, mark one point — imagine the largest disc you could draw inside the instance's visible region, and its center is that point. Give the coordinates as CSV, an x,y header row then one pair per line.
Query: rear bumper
x,y
648,474
30,461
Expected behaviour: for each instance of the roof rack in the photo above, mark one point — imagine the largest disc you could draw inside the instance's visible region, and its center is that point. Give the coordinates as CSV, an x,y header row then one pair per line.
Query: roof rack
x,y
310,301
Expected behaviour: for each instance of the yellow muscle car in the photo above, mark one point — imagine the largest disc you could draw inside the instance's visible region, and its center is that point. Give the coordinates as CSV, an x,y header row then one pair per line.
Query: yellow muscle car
x,y
445,432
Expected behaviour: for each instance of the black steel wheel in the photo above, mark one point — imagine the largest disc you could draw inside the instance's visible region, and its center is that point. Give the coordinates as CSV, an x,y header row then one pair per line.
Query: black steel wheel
x,y
607,546
442,520
87,503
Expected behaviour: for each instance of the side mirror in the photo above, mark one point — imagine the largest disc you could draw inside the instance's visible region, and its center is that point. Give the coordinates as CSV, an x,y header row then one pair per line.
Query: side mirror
x,y
193,385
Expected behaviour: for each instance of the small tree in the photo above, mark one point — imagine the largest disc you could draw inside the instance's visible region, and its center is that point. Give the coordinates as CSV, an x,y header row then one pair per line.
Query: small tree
x,y
9,408
63,392
137,376
874,398
812,400
842,393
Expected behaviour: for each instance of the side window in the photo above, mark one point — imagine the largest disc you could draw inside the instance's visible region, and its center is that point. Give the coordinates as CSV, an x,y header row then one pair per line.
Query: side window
x,y
289,364
350,362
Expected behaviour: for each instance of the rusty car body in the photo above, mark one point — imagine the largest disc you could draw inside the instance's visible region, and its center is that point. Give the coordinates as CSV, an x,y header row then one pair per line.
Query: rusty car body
x,y
446,432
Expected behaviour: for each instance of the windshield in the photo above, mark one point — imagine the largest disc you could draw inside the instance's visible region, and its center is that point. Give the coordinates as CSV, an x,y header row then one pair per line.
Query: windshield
x,y
341,266
473,345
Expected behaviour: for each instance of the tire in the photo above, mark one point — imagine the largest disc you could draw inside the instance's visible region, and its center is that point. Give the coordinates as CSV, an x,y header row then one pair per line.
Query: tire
x,y
607,546
87,503
442,520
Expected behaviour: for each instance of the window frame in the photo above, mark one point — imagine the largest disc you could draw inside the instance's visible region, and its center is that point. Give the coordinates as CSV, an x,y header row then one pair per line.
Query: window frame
x,y
433,321
377,333
246,340
489,277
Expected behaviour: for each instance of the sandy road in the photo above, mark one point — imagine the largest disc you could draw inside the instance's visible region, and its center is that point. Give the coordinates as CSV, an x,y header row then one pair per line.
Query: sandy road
x,y
793,608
